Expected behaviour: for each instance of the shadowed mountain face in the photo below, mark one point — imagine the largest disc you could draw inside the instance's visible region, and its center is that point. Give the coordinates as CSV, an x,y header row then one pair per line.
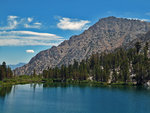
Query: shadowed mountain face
x,y
106,35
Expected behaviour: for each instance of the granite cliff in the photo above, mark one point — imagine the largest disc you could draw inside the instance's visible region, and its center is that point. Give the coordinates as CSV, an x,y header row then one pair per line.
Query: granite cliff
x,y
105,35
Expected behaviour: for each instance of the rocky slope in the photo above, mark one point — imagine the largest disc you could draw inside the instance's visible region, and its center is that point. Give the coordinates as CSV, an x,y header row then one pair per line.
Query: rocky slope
x,y
107,34
142,38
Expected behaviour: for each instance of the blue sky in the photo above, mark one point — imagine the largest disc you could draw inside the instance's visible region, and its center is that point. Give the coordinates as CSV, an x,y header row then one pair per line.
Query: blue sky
x,y
30,26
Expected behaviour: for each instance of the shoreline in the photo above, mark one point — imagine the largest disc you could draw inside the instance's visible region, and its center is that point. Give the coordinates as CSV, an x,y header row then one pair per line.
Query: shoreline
x,y
40,80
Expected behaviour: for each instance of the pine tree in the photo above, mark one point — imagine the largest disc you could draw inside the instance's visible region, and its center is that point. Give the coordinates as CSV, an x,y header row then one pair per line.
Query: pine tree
x,y
138,47
5,72
9,72
34,73
114,76
146,51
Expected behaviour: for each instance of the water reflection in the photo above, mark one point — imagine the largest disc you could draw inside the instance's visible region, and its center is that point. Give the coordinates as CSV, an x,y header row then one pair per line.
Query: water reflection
x,y
5,91
73,98
114,88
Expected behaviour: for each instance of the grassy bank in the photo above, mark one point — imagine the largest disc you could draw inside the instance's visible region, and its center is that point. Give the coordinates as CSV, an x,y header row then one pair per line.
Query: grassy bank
x,y
21,80
87,82
30,79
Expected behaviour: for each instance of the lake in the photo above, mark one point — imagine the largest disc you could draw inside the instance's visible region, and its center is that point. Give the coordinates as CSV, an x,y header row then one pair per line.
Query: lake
x,y
39,98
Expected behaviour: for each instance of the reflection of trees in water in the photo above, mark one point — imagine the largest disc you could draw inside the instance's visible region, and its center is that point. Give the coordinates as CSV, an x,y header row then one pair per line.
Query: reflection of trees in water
x,y
5,91
123,88
55,85
33,86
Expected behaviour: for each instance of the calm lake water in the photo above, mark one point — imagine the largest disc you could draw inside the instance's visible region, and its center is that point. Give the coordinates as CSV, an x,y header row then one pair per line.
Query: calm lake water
x,y
32,98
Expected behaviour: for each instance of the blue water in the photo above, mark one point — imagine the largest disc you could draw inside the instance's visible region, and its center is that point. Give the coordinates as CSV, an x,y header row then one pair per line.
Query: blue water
x,y
31,98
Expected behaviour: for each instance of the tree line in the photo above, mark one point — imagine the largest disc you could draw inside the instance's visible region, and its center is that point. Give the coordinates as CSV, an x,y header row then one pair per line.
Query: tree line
x,y
132,65
5,71
121,65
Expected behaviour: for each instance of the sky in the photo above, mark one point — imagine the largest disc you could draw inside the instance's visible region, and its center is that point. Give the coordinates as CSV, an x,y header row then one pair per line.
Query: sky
x,y
30,26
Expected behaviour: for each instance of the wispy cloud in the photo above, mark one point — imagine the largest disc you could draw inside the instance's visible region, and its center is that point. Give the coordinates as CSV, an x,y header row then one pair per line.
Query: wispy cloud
x,y
148,13
29,51
34,25
12,17
30,19
14,22
72,24
128,15
22,38
146,20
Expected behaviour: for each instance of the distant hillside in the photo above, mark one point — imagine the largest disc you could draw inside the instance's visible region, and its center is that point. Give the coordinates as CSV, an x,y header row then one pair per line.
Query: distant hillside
x,y
16,65
106,35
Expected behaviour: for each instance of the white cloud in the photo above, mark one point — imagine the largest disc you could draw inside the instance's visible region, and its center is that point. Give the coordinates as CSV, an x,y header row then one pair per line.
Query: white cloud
x,y
12,17
34,25
30,19
72,24
23,38
37,23
14,22
29,51
27,33
146,20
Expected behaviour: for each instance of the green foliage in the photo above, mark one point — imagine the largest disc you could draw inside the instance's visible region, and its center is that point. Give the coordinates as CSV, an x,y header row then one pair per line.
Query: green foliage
x,y
5,72
146,51
138,47
115,67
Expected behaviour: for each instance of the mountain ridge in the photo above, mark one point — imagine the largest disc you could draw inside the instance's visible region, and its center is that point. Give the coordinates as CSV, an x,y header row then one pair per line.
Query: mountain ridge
x,y
13,66
105,35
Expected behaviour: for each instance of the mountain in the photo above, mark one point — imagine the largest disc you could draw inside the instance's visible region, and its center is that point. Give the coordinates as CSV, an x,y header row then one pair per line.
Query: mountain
x,y
142,38
105,35
16,65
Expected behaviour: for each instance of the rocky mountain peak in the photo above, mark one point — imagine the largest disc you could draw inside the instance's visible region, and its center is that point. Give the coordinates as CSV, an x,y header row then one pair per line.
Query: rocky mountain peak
x,y
105,35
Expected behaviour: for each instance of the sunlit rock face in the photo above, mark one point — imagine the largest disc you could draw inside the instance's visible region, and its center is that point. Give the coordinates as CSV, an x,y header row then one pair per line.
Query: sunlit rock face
x,y
106,35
